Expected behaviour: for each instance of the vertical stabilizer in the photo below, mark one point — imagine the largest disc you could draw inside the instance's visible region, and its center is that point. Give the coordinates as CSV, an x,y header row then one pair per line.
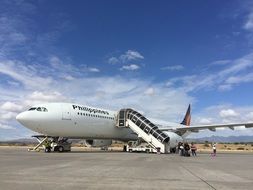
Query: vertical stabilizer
x,y
187,117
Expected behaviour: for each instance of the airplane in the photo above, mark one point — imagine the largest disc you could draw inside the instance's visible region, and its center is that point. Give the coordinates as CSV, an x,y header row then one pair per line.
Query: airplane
x,y
99,126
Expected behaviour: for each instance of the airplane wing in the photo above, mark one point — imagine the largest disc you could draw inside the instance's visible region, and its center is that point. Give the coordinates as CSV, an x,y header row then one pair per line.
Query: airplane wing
x,y
182,129
186,127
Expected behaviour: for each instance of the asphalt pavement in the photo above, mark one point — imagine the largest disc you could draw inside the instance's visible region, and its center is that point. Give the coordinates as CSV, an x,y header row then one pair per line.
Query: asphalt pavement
x,y
20,169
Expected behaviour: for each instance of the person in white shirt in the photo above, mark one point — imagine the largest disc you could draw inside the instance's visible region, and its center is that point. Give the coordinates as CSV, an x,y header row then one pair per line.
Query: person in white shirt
x,y
214,149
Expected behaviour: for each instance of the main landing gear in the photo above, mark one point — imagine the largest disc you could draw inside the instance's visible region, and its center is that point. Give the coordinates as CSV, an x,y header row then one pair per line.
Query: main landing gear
x,y
56,144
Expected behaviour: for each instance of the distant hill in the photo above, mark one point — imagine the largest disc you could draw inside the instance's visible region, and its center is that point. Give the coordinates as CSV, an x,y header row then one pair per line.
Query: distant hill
x,y
230,139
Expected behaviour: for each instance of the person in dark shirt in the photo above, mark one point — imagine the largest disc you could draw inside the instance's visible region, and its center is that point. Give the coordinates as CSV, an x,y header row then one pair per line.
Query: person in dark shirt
x,y
186,149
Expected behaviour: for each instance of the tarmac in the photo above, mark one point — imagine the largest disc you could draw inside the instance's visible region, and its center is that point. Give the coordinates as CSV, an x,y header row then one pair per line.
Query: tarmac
x,y
20,169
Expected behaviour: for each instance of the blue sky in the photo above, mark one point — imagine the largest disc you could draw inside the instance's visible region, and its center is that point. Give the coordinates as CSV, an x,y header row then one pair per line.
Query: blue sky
x,y
154,56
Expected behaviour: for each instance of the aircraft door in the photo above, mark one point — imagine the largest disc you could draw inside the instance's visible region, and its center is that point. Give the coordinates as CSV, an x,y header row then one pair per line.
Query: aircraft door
x,y
121,118
66,112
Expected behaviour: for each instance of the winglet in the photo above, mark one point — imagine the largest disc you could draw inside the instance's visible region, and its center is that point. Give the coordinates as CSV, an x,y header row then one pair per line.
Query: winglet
x,y
187,117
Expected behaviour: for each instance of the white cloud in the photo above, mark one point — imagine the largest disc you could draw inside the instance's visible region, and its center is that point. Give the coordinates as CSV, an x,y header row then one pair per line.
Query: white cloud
x,y
217,79
225,87
8,115
86,69
192,82
224,113
11,106
203,120
25,74
11,32
64,67
93,69
238,65
46,97
221,62
228,113
173,68
130,55
131,67
55,62
249,116
113,60
68,77
150,92
240,79
2,126
249,23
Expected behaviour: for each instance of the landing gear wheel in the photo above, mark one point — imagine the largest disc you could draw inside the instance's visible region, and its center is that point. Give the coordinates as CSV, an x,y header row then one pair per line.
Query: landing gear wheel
x,y
60,149
47,149
56,148
173,150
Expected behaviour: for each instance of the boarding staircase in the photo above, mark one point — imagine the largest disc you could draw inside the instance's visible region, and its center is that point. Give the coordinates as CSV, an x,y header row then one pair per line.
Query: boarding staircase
x,y
145,129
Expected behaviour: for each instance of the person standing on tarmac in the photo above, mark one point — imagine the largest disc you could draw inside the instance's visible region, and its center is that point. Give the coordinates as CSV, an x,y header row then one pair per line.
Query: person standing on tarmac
x,y
193,149
214,149
178,148
186,149
181,149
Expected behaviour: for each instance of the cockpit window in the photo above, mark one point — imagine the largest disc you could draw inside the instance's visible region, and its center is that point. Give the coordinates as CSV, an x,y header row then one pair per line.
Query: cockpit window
x,y
43,109
31,109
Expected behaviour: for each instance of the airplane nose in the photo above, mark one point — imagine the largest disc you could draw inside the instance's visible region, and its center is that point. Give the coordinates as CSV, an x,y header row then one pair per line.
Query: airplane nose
x,y
28,120
21,118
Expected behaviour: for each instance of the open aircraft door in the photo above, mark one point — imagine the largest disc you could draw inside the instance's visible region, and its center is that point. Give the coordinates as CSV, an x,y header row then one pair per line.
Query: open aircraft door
x,y
66,113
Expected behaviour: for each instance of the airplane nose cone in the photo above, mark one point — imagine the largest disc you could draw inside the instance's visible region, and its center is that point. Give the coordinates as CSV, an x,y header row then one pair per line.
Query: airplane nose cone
x,y
21,118
29,120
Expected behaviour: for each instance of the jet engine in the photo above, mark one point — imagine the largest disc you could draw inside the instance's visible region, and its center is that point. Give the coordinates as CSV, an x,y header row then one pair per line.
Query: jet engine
x,y
98,142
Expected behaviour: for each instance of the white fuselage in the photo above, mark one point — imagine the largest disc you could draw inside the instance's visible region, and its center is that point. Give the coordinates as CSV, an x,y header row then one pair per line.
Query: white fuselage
x,y
74,121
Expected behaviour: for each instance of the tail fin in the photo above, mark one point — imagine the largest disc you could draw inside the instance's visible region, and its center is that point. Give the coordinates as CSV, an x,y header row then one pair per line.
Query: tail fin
x,y
187,117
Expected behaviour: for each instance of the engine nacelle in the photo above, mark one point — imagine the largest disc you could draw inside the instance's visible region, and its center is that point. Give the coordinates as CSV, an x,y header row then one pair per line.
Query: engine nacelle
x,y
98,142
174,139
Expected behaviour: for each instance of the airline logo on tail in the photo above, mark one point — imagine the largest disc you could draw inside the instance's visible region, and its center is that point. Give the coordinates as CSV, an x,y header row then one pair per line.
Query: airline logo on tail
x,y
187,117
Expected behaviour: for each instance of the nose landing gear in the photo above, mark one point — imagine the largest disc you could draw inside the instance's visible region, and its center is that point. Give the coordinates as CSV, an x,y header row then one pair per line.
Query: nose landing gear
x,y
56,144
